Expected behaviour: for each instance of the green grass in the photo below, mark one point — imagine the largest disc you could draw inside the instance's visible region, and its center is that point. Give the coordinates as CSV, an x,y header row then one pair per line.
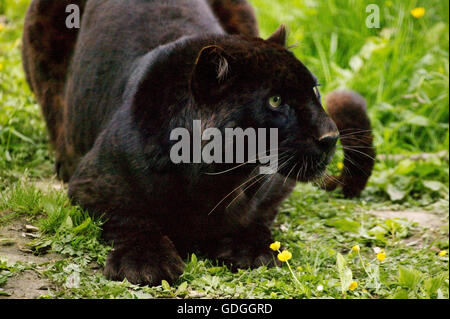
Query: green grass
x,y
401,69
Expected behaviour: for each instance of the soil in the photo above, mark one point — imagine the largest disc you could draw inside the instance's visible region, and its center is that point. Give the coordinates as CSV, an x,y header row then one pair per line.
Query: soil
x,y
28,284
424,219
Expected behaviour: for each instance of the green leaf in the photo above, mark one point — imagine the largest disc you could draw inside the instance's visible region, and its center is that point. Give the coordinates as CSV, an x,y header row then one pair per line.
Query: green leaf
x,y
165,285
345,273
409,277
4,293
396,193
340,262
432,285
67,224
181,289
215,270
418,120
82,226
433,185
405,167
345,225
401,294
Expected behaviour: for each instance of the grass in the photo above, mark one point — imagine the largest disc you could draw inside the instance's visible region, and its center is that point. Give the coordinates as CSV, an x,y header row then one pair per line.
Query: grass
x,y
401,69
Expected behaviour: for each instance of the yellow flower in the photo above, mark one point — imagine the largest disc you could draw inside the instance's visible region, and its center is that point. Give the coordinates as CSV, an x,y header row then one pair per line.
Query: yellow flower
x,y
284,256
418,12
275,246
442,253
340,165
353,285
300,268
381,256
2,26
1,66
356,248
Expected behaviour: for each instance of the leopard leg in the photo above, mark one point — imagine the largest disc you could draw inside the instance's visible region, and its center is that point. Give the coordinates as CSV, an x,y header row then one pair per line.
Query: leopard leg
x,y
47,50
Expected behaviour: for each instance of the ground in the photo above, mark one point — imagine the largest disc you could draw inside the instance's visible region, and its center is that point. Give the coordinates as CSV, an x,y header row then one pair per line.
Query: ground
x,y
390,243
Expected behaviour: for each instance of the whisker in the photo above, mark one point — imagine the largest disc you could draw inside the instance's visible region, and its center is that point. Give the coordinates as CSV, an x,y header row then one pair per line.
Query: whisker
x,y
354,131
362,153
289,174
271,179
247,187
358,146
247,181
248,162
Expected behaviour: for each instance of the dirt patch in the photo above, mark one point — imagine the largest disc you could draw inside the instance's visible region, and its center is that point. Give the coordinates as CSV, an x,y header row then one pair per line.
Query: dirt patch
x,y
432,225
27,284
424,219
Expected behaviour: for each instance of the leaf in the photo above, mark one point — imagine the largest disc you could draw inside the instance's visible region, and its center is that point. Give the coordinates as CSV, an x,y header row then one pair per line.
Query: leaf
x,y
4,293
433,185
82,226
432,285
67,224
418,120
165,285
373,271
409,277
345,225
378,231
21,136
405,167
396,193
182,289
215,270
345,273
340,262
401,294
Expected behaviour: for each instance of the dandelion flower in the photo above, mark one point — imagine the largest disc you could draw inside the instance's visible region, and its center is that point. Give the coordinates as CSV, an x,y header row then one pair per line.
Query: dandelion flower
x,y
2,26
381,256
442,253
284,256
340,165
275,246
356,248
418,12
353,285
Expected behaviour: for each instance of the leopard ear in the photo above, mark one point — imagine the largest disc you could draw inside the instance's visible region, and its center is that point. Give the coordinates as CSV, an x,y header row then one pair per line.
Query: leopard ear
x,y
279,37
211,75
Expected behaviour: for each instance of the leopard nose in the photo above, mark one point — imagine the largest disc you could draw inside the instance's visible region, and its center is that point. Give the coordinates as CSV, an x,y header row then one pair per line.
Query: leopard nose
x,y
328,141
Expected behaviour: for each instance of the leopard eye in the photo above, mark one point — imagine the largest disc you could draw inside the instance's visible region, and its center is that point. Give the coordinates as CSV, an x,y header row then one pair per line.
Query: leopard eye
x,y
275,101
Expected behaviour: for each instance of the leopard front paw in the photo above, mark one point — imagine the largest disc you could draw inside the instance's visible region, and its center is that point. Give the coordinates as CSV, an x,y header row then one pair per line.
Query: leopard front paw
x,y
143,267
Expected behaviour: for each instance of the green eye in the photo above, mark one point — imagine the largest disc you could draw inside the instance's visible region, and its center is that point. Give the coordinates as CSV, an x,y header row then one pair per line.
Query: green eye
x,y
275,101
